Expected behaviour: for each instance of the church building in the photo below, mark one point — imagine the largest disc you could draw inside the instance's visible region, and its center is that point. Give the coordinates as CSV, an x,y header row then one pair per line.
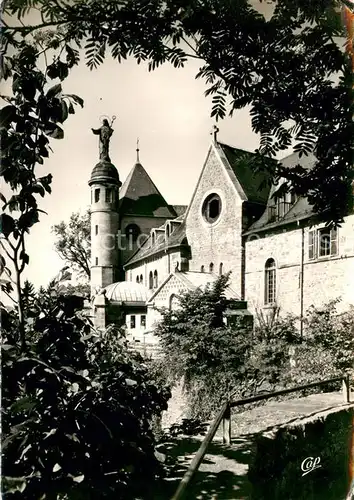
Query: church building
x,y
145,252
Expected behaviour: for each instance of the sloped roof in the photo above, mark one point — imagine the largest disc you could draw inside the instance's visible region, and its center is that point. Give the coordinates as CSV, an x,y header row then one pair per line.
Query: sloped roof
x,y
139,196
161,244
180,209
192,280
256,185
300,210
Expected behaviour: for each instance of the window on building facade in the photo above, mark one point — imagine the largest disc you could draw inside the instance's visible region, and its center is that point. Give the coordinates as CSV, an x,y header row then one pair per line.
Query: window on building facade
x,y
156,280
167,230
143,321
137,279
97,195
132,232
132,321
211,267
151,280
322,243
96,261
96,229
202,269
280,206
220,268
270,282
141,279
109,195
211,208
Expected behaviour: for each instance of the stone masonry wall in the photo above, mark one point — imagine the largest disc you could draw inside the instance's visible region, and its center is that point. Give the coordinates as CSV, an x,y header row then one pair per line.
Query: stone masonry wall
x,y
219,242
325,278
308,459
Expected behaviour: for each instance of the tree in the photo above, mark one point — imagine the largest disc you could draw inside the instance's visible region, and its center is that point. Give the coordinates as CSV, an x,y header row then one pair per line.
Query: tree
x,y
28,122
200,349
77,408
73,242
281,67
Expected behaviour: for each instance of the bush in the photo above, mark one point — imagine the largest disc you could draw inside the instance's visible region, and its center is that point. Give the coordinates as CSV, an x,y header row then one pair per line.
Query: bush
x,y
199,348
77,410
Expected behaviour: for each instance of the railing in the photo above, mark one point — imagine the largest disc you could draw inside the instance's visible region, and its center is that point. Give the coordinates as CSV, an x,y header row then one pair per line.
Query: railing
x,y
225,416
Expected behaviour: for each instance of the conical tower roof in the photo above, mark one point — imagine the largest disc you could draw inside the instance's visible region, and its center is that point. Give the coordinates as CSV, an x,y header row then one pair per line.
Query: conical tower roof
x,y
139,196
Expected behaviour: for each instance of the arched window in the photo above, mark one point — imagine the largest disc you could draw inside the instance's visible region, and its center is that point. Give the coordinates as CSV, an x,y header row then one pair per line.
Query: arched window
x,y
173,302
137,279
202,269
132,232
220,268
270,282
151,280
211,267
141,278
97,195
156,281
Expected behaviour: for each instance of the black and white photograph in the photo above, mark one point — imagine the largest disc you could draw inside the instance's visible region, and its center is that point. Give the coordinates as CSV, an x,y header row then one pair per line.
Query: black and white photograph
x,y
177,249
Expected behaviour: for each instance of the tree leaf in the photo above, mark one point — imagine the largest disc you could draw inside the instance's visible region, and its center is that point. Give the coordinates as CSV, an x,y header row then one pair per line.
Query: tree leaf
x,y
7,224
7,115
54,91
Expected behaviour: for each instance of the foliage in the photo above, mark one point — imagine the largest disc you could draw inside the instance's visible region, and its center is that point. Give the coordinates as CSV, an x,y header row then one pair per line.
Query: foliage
x,y
77,408
325,351
290,69
32,117
199,348
73,242
328,349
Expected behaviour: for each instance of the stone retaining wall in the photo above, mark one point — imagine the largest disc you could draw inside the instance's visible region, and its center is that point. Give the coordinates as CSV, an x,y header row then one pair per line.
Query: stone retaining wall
x,y
308,459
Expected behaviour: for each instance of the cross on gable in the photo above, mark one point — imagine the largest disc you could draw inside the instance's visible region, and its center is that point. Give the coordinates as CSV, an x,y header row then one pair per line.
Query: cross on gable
x,y
214,133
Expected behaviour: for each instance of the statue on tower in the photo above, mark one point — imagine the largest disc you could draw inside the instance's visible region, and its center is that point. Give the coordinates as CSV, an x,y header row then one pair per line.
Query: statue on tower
x,y
105,132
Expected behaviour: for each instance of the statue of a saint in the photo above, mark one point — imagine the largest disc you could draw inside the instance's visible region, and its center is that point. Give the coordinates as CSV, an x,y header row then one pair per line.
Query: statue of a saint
x,y
105,132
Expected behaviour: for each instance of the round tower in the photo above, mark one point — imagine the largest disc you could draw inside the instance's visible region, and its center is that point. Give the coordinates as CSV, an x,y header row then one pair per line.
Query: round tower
x,y
104,183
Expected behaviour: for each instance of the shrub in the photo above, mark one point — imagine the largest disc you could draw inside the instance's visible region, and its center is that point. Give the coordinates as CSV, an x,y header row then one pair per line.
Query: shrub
x,y
77,410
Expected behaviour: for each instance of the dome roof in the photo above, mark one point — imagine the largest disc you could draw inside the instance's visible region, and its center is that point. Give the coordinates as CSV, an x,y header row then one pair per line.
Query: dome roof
x,y
127,291
104,171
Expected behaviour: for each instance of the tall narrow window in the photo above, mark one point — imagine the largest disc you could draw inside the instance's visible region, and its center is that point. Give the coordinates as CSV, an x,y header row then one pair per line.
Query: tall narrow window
x,y
97,195
270,282
211,267
141,279
96,261
220,268
151,280
132,321
143,321
202,269
108,195
137,279
156,281
312,240
327,242
96,229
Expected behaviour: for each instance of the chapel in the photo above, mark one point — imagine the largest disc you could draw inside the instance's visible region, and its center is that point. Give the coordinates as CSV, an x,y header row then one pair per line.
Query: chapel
x,y
145,252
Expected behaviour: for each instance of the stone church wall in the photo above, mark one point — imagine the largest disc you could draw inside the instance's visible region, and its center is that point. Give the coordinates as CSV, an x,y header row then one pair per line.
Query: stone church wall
x,y
325,278
220,242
